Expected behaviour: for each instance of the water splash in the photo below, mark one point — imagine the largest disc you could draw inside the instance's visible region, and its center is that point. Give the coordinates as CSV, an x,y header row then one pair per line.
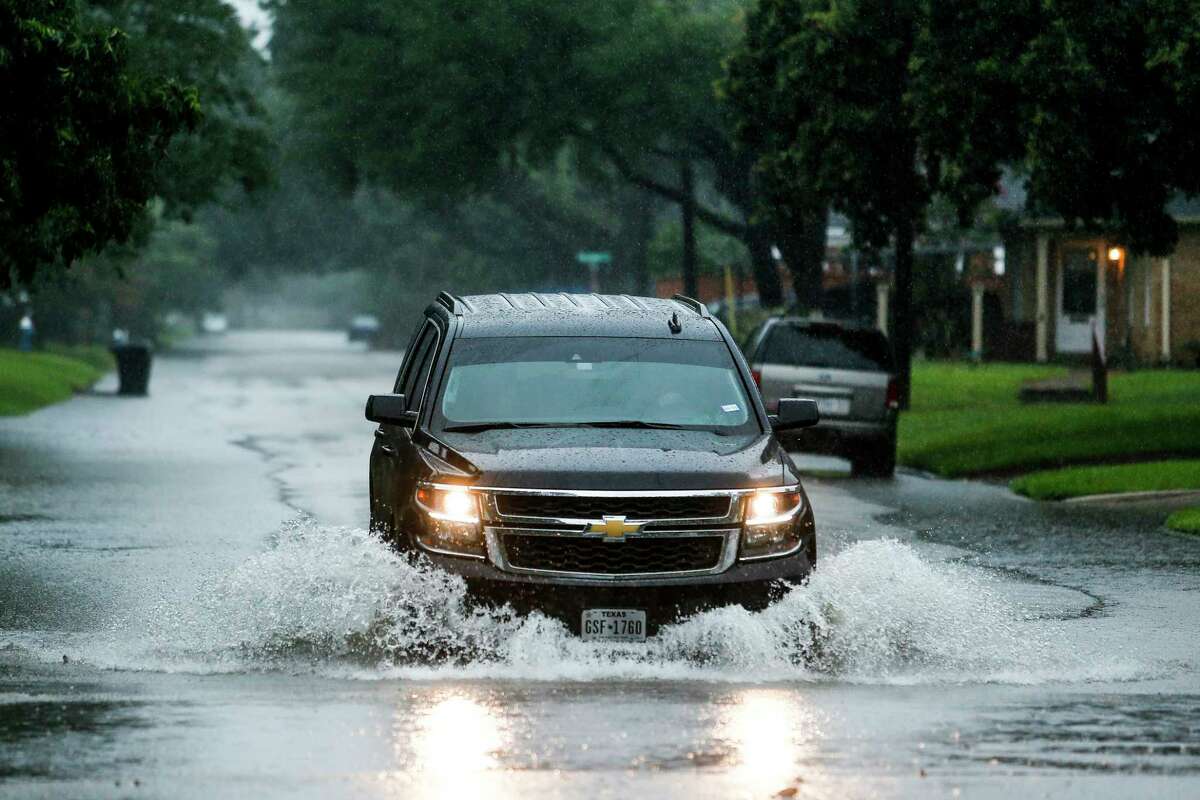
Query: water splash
x,y
341,602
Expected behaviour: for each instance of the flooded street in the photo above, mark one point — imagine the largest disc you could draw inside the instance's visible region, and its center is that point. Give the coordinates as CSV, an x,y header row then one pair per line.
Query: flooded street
x,y
190,607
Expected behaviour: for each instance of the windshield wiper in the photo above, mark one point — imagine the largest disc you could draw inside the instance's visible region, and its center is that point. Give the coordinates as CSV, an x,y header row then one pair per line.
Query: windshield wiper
x,y
473,427
634,423
491,426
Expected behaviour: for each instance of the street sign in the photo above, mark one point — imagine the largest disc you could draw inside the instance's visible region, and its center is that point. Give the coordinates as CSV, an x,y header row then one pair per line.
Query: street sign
x,y
593,259
593,262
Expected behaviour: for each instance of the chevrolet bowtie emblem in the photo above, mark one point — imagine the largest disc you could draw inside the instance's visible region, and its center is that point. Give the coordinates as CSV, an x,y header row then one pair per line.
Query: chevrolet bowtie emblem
x,y
614,528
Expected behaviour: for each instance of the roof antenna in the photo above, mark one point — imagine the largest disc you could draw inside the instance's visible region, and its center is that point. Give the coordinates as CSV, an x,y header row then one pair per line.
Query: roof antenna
x,y
673,323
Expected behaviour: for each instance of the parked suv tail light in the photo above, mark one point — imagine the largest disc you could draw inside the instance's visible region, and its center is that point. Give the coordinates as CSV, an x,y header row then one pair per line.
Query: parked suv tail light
x,y
893,394
757,375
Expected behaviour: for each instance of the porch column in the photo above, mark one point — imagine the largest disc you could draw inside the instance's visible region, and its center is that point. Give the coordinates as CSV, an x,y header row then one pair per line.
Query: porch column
x,y
977,321
1043,298
1166,309
881,306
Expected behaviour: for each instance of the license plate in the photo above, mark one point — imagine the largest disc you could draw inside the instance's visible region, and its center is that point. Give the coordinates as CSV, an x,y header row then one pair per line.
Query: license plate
x,y
614,625
834,406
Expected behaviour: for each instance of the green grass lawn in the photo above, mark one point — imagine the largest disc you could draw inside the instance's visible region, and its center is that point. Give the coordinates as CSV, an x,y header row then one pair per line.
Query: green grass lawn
x,y
1186,520
966,420
99,357
29,381
1147,476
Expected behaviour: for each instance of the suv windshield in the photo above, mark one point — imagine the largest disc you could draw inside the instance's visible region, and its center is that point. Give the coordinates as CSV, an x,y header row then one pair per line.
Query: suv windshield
x,y
828,346
593,381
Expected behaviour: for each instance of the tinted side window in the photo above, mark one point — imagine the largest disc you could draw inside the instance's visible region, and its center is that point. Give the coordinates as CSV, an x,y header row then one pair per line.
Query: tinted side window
x,y
418,367
423,369
827,346
410,352
751,346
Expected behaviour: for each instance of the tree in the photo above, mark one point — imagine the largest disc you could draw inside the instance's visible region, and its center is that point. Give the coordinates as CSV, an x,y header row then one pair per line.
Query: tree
x,y
81,136
440,100
1114,106
201,44
874,107
881,106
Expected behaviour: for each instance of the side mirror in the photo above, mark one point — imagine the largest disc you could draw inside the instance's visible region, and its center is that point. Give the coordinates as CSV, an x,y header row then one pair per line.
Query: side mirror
x,y
795,413
389,409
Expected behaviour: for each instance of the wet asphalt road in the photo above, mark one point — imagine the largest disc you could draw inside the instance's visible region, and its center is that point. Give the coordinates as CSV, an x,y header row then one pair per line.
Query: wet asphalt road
x,y
189,608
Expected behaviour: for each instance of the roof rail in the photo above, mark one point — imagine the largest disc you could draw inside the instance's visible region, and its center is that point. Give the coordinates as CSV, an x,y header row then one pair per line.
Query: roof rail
x,y
450,302
692,303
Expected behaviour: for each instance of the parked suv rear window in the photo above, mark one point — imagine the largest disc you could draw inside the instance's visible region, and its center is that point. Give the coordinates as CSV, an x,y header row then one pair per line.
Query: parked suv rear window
x,y
558,380
828,346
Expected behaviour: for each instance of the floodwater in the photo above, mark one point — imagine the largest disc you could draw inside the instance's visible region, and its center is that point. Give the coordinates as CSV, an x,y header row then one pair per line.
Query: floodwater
x,y
190,607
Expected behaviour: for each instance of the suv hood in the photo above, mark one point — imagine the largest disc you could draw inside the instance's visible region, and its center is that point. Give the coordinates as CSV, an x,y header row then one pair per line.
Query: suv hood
x,y
621,460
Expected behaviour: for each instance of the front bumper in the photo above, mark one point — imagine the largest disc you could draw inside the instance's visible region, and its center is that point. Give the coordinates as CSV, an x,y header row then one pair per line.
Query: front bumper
x,y
752,585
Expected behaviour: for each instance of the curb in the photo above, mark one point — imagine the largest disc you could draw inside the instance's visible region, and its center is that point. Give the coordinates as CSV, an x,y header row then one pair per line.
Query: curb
x,y
1133,497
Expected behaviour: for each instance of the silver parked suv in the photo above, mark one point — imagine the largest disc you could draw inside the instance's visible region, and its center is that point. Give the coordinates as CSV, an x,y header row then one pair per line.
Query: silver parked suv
x,y
848,370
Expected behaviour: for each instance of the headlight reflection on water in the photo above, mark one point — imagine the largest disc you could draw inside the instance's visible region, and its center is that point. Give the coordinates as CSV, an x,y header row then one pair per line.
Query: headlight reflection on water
x,y
453,750
772,737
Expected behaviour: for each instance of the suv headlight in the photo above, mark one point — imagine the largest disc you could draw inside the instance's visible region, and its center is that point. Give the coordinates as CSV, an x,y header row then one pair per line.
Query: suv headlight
x,y
451,521
772,524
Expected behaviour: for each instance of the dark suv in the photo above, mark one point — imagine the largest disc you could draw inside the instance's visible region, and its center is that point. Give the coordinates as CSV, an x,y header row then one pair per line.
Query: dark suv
x,y
604,459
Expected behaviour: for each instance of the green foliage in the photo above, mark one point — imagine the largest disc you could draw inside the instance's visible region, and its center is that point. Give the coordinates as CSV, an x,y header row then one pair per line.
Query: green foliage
x,y
130,287
200,44
450,102
966,420
442,98
81,135
29,381
717,250
854,104
881,106
1112,91
1150,476
876,108
1186,520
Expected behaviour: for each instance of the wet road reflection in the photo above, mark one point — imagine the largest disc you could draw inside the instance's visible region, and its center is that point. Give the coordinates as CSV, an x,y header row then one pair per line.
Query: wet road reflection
x,y
456,744
772,736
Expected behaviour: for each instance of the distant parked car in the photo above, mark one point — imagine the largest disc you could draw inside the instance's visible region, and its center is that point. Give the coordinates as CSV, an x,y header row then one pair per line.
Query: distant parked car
x,y
848,369
363,328
214,322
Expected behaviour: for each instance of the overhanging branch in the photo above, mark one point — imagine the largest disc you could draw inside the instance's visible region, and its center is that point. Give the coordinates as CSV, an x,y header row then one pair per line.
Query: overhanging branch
x,y
627,171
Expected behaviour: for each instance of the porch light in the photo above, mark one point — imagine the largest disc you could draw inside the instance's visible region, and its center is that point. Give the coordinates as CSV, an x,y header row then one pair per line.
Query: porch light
x,y
1114,254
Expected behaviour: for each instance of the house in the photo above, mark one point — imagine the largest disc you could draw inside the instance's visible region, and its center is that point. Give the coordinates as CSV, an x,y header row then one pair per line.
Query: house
x,y
1063,284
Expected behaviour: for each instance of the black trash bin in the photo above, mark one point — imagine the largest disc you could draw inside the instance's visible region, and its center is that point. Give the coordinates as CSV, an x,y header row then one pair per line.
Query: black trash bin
x,y
133,368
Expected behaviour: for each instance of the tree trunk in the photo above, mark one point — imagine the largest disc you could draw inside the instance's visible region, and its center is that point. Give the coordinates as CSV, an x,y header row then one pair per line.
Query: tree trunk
x,y
636,208
687,180
766,276
803,246
902,324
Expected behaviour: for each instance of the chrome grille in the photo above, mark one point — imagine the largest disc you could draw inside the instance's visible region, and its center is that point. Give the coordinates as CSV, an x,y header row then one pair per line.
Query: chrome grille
x,y
633,556
592,507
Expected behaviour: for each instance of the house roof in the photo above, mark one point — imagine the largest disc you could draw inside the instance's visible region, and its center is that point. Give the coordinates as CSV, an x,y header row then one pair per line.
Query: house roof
x,y
1013,196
